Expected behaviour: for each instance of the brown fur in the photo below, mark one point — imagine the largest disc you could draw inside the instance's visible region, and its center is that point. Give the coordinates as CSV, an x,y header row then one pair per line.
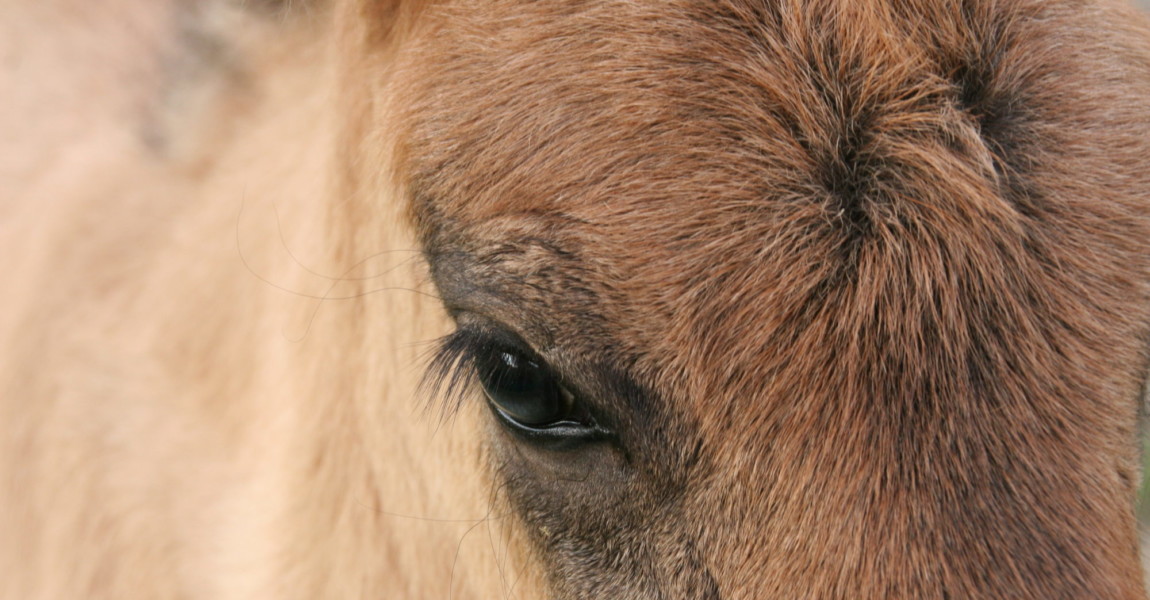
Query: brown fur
x,y
864,286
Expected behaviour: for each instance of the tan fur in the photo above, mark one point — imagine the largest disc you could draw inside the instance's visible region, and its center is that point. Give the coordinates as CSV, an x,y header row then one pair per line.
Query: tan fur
x,y
217,303
174,427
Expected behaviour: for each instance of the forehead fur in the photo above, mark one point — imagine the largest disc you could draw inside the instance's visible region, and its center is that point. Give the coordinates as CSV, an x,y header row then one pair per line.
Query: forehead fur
x,y
838,233
747,168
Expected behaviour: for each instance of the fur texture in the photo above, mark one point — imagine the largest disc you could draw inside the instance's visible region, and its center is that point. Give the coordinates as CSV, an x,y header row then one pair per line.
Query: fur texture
x,y
861,288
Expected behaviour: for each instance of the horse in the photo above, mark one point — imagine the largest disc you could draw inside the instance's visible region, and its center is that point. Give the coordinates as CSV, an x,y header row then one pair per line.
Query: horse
x,y
508,299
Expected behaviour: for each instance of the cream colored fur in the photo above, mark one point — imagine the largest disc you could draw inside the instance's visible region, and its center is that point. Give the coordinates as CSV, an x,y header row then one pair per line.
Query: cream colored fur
x,y
179,417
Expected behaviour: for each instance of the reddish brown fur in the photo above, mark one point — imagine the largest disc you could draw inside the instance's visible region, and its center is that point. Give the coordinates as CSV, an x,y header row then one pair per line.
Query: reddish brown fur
x,y
886,265
864,285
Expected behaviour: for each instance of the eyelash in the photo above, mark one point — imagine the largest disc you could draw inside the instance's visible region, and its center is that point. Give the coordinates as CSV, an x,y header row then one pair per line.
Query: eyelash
x,y
450,372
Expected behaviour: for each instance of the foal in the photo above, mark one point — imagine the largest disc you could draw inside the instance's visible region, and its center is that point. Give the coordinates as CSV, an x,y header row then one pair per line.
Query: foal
x,y
735,299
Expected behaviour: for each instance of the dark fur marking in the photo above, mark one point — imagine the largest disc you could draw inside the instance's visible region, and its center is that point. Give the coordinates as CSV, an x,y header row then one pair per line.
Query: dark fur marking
x,y
201,56
845,169
998,110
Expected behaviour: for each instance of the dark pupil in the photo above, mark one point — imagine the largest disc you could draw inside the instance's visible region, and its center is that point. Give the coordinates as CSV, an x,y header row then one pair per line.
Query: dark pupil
x,y
521,387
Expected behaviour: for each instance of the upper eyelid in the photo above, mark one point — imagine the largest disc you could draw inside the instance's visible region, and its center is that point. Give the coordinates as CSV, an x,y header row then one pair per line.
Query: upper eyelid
x,y
521,332
450,372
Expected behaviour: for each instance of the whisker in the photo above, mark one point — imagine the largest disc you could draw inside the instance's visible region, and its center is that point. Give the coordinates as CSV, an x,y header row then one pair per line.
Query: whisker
x,y
459,547
327,295
495,556
344,277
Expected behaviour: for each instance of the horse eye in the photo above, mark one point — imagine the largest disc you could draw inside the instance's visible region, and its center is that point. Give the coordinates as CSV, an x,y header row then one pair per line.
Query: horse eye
x,y
524,389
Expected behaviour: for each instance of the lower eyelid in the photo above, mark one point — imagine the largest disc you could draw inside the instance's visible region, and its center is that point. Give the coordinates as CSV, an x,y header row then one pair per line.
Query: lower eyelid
x,y
562,436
